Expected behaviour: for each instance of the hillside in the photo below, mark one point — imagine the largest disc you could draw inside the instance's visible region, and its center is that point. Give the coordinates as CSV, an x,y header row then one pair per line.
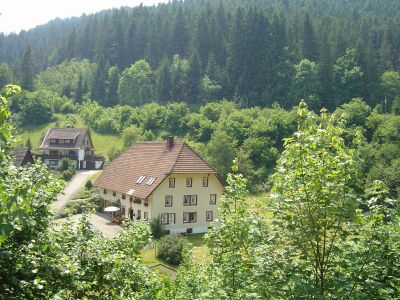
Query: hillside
x,y
250,52
103,143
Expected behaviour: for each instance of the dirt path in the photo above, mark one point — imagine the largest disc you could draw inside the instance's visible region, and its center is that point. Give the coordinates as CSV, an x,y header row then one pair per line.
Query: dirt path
x,y
74,186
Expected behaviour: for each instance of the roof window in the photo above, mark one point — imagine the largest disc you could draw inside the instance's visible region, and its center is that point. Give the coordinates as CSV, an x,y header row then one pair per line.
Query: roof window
x,y
151,180
140,179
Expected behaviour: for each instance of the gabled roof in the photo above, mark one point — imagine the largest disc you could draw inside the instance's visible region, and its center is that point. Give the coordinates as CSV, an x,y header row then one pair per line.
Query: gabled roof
x,y
76,134
22,156
150,159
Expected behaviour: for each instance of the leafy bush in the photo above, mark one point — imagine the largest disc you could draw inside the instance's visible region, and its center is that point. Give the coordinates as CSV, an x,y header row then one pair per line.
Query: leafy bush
x,y
156,228
88,184
68,107
67,175
171,247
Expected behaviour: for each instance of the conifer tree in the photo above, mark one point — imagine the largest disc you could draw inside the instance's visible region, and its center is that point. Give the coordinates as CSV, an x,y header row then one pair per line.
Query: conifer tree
x,y
194,76
27,70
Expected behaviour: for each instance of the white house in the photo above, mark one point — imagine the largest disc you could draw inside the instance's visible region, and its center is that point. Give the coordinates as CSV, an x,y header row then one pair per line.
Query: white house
x,y
166,179
73,143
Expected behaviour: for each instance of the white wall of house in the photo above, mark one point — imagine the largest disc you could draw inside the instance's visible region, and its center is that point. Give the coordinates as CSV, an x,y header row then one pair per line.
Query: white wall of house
x,y
157,201
81,154
109,196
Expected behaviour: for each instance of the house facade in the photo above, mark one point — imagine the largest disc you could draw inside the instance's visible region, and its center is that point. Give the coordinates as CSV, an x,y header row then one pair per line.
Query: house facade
x,y
72,143
163,179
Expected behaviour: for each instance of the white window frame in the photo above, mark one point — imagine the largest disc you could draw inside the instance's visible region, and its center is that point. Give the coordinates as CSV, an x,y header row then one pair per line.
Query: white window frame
x,y
205,182
186,217
168,218
213,199
209,215
168,200
145,215
171,180
189,200
189,181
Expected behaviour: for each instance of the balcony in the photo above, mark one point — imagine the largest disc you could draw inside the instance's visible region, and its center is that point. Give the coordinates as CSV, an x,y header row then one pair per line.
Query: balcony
x,y
56,156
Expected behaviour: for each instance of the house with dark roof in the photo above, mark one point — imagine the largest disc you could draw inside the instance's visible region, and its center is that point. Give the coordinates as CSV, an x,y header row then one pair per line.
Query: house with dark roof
x,y
23,156
72,143
163,179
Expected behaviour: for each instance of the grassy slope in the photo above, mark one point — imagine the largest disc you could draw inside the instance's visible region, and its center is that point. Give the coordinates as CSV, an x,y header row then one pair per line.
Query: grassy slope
x,y
102,142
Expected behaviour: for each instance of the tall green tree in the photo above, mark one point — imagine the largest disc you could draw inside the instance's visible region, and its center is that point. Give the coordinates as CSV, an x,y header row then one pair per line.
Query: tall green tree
x,y
314,200
112,86
194,77
136,84
27,72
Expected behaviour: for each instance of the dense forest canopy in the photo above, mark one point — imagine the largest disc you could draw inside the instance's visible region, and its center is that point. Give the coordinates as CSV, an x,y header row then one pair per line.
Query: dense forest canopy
x,y
256,52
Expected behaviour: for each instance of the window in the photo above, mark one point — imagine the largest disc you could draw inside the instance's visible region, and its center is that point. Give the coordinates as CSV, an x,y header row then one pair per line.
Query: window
x,y
205,181
146,215
130,198
168,200
114,194
139,214
104,191
172,182
209,215
213,198
53,162
151,180
189,217
140,179
168,218
53,141
189,181
123,196
67,141
189,200
61,141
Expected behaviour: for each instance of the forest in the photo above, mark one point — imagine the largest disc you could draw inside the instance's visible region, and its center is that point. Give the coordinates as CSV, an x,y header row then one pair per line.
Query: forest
x,y
297,102
255,53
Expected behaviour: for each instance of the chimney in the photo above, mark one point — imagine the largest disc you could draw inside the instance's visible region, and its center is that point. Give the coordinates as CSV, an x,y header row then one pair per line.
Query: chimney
x,y
170,142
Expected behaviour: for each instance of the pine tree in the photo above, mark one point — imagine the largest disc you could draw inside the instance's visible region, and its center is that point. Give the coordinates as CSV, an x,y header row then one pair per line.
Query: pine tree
x,y
194,76
179,35
309,43
326,75
27,69
163,81
79,89
98,90
112,86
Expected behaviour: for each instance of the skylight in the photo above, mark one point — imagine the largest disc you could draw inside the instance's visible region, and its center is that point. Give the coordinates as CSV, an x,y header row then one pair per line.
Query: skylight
x,y
140,179
151,180
130,192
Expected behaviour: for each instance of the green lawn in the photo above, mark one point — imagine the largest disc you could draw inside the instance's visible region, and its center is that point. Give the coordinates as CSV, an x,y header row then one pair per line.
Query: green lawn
x,y
102,142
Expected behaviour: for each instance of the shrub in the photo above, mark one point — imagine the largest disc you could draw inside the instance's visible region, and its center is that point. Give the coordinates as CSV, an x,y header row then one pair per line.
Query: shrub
x,y
156,228
88,184
67,175
68,107
171,247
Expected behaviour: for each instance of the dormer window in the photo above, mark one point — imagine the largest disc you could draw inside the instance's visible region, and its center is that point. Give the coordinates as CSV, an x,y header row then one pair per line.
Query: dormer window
x,y
67,141
53,141
151,180
140,179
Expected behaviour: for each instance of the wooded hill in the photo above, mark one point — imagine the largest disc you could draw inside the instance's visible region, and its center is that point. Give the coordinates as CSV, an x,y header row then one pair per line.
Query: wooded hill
x,y
252,52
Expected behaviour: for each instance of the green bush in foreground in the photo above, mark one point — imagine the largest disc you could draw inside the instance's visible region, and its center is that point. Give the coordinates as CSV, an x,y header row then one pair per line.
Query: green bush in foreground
x,y
171,248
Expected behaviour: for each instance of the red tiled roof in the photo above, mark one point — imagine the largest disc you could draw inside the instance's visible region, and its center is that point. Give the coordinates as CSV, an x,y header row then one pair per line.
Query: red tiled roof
x,y
150,159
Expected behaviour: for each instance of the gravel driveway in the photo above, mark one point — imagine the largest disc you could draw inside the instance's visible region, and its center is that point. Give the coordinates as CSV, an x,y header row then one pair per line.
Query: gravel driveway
x,y
73,187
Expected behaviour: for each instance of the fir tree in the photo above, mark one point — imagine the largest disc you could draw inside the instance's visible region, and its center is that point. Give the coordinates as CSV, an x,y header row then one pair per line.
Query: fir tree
x,y
27,69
